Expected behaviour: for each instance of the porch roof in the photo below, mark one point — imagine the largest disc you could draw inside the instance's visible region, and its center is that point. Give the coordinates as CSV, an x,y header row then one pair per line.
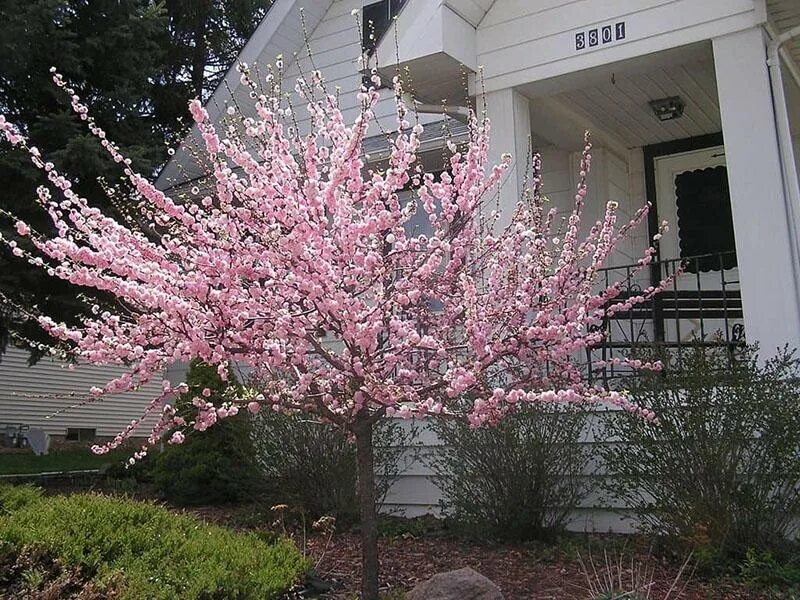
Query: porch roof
x,y
613,100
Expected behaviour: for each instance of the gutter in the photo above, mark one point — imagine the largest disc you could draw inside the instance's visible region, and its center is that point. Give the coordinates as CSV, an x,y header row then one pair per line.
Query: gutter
x,y
791,185
788,63
460,113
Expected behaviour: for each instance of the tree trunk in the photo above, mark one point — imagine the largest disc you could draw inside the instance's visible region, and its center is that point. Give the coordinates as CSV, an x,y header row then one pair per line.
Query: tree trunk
x,y
369,516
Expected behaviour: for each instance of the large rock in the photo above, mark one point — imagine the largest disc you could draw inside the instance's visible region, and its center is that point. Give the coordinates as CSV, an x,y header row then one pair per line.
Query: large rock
x,y
462,584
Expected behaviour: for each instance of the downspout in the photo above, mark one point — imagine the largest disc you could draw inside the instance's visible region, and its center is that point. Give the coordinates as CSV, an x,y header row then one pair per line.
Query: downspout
x,y
791,186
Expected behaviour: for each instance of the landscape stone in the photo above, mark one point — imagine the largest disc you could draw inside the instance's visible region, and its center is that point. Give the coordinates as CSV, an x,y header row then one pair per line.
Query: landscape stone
x,y
461,584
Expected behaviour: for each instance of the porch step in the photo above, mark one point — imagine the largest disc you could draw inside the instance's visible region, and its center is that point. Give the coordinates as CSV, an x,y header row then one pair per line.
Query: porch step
x,y
684,304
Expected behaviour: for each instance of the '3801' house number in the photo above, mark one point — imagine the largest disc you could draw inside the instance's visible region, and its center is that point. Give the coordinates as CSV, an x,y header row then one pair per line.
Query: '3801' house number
x,y
598,36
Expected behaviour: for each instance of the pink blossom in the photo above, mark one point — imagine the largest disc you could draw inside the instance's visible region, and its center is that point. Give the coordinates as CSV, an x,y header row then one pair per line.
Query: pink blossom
x,y
301,263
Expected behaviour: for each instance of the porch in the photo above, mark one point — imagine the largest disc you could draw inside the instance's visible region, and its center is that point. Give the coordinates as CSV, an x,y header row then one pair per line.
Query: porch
x,y
711,165
693,107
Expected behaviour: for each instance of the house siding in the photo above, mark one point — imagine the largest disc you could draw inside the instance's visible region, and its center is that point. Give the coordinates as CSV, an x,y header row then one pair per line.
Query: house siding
x,y
558,183
31,396
520,41
622,176
335,49
614,178
525,46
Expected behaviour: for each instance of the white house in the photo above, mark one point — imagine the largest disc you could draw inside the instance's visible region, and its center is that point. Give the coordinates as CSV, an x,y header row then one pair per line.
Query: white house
x,y
694,106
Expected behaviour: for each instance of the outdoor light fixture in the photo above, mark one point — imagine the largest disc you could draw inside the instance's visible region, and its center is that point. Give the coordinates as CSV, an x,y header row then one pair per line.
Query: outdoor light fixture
x,y
667,108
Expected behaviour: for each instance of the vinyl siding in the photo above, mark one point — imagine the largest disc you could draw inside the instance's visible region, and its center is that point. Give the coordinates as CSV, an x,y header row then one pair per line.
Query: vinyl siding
x,y
335,49
521,42
31,396
612,178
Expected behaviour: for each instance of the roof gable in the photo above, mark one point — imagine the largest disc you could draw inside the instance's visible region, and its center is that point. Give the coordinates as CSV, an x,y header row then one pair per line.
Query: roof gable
x,y
279,33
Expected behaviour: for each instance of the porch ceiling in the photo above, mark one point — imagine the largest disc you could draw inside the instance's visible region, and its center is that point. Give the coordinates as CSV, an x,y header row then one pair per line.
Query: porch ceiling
x,y
614,101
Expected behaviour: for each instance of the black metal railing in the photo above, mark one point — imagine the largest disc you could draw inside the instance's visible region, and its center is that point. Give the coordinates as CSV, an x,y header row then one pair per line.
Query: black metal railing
x,y
702,306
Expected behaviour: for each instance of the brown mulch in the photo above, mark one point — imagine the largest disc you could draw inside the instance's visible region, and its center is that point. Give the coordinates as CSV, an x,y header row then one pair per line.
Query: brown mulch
x,y
515,569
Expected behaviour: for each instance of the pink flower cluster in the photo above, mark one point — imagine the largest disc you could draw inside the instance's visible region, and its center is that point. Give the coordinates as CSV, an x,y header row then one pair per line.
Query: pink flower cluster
x,y
297,259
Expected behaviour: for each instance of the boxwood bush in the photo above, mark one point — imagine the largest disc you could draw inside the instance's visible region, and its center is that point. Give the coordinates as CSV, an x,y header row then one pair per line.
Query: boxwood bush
x,y
141,550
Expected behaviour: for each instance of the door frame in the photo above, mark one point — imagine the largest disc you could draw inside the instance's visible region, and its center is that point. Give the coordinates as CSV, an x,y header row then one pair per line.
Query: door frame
x,y
650,153
667,169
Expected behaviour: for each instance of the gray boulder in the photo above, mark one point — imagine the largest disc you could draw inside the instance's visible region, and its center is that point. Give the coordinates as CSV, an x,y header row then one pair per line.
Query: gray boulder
x,y
462,584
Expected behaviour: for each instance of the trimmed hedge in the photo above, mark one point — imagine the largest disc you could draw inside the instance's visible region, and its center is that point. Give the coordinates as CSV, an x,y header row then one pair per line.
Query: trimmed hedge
x,y
144,551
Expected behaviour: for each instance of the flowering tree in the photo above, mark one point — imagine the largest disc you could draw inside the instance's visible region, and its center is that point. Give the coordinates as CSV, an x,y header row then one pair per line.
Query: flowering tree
x,y
298,260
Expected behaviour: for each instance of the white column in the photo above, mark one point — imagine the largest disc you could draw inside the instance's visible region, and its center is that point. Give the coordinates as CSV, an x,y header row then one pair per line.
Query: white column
x,y
509,113
761,225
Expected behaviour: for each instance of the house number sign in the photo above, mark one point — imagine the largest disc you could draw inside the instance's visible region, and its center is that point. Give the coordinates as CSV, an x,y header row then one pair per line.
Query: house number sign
x,y
599,36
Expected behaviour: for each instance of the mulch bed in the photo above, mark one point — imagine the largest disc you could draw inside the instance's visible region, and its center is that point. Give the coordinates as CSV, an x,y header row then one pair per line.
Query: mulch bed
x,y
515,569
521,572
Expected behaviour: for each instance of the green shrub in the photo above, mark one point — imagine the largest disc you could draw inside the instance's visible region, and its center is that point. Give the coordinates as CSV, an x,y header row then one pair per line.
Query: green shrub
x,y
206,471
721,468
14,497
311,465
764,569
518,480
210,467
147,552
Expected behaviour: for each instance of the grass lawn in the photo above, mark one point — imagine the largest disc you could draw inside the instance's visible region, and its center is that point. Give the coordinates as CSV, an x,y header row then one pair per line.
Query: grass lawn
x,y
57,461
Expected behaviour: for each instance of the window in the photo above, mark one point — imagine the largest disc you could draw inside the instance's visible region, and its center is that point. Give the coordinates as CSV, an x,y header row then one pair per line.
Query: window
x,y
705,223
419,223
376,19
80,434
